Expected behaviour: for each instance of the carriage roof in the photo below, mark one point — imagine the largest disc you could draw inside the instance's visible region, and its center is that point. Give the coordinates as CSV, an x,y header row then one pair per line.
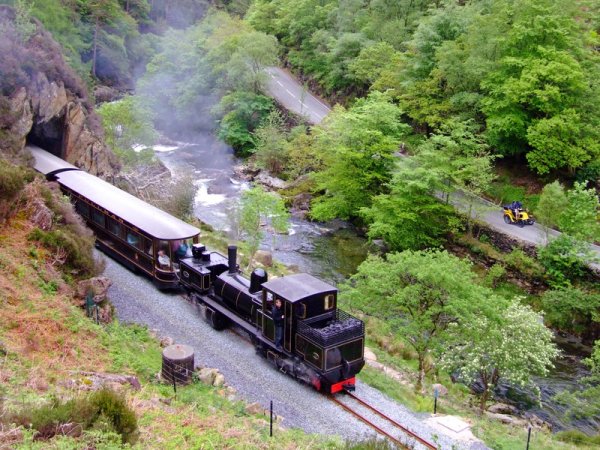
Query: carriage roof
x,y
47,163
298,287
138,213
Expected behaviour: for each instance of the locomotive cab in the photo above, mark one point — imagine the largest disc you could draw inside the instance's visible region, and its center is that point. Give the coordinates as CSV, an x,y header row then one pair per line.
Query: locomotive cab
x,y
328,339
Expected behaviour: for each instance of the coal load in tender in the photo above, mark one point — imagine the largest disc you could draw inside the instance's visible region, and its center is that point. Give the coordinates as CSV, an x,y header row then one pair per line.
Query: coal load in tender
x,y
340,328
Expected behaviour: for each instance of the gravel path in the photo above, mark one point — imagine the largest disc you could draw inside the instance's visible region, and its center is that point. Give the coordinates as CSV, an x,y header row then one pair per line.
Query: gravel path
x,y
137,300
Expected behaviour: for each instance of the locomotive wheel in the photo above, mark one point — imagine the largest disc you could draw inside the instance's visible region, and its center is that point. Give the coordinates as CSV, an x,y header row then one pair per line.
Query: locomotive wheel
x,y
521,223
215,319
506,219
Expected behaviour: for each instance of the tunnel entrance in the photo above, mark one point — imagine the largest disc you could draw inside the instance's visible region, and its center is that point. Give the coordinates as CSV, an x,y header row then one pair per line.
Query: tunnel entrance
x,y
48,135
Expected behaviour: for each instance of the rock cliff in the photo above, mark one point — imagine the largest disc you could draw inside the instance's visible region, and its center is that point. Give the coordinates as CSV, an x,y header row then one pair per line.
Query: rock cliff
x,y
43,101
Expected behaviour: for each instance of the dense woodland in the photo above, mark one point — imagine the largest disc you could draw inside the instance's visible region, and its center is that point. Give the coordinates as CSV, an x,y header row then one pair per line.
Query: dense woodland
x,y
494,98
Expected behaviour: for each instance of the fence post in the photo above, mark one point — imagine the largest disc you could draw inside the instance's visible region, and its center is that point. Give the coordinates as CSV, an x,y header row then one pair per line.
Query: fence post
x,y
528,437
435,397
271,421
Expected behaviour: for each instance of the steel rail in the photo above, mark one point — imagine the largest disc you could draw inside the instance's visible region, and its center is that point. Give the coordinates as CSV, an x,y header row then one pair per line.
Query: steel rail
x,y
427,444
369,423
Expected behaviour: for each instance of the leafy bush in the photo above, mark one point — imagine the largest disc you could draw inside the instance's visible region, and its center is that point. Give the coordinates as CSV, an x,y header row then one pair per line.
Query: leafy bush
x,y
571,309
494,275
577,437
100,409
12,181
76,249
564,259
521,262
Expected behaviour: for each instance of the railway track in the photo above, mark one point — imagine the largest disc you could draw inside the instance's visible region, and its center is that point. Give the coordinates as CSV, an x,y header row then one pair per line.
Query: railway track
x,y
394,437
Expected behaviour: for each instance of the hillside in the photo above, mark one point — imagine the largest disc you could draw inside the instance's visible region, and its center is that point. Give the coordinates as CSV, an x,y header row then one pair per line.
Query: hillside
x,y
54,356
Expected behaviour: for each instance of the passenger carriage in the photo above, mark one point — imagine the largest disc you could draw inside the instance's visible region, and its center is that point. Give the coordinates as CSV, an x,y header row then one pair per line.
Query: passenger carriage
x,y
139,235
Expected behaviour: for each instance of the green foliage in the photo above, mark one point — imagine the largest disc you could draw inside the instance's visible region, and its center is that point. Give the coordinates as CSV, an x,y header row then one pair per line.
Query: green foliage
x,y
410,216
586,402
494,275
564,259
418,294
590,173
580,217
552,204
12,182
126,123
571,309
88,412
23,24
271,151
242,113
77,248
257,206
578,438
523,263
513,345
358,148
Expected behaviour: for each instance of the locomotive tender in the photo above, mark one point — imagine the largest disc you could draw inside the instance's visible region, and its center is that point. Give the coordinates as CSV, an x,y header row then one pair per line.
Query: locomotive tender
x,y
322,345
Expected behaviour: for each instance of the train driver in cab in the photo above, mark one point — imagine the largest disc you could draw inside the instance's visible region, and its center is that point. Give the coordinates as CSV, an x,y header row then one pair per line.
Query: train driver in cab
x,y
278,321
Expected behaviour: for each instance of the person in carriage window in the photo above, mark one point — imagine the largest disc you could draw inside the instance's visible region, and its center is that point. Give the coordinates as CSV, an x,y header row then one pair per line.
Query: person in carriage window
x,y
163,259
278,321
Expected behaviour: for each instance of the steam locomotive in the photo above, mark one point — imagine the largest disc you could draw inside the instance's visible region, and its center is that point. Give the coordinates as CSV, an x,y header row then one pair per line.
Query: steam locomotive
x,y
322,345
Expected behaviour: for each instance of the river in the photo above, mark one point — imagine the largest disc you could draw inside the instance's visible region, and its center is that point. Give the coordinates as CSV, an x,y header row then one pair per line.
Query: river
x,y
333,252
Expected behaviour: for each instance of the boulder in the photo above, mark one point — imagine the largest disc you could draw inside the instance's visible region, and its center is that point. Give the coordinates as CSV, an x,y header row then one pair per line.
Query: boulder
x,y
369,355
507,419
105,94
39,214
503,408
254,409
208,375
219,380
97,285
166,341
269,181
264,257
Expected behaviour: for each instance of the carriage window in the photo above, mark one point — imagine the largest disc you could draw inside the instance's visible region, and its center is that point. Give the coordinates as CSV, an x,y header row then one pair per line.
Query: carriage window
x,y
82,208
133,239
329,302
98,217
148,246
114,227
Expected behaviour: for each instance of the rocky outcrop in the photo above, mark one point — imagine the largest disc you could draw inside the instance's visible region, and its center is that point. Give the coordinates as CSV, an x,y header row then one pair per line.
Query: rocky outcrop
x,y
43,101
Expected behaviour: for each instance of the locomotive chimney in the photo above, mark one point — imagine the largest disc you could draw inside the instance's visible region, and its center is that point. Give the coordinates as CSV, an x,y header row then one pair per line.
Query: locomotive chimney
x,y
257,278
232,254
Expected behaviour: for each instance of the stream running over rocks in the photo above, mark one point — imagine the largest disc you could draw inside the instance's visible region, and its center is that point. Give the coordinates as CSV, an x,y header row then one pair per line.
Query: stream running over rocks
x,y
333,252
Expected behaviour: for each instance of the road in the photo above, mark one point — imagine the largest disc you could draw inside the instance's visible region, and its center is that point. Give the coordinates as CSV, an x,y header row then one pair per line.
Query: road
x,y
291,94
284,88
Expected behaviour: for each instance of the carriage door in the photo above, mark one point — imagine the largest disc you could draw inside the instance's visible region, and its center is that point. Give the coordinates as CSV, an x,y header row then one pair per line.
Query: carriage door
x,y
268,328
287,327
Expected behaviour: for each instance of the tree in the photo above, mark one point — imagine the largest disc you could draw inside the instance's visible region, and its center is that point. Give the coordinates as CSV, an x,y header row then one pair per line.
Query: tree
x,y
127,123
357,145
572,310
241,113
418,293
271,151
513,346
551,205
410,216
564,259
256,207
100,12
580,217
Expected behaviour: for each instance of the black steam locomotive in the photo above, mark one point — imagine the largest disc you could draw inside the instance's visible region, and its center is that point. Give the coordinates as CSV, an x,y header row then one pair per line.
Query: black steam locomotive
x,y
322,345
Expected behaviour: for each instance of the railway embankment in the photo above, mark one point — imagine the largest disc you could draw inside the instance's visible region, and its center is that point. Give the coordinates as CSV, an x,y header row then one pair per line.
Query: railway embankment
x,y
69,382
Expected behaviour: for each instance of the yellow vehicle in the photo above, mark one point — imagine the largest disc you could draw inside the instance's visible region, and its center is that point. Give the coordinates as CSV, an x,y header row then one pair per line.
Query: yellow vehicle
x,y
516,215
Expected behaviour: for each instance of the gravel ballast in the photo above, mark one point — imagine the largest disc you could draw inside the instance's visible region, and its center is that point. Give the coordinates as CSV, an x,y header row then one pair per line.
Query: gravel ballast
x,y
137,301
